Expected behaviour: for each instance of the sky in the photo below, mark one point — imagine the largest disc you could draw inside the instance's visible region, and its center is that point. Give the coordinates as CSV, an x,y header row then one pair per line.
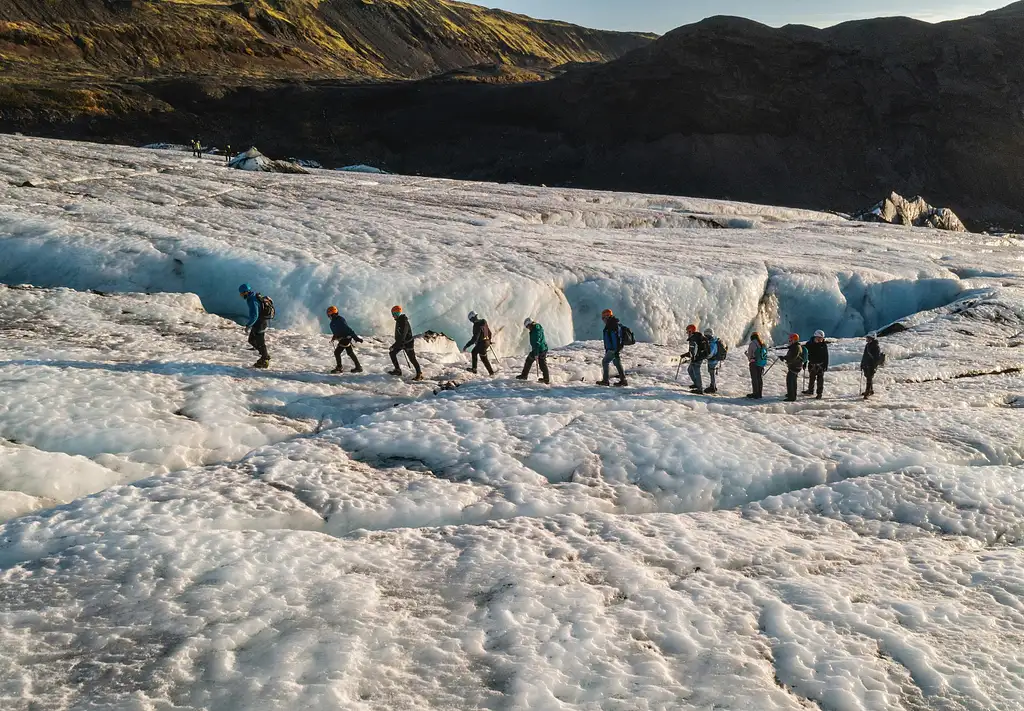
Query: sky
x,y
663,15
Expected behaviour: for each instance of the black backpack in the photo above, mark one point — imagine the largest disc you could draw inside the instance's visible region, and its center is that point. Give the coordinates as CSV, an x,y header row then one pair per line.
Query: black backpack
x,y
626,336
723,350
267,310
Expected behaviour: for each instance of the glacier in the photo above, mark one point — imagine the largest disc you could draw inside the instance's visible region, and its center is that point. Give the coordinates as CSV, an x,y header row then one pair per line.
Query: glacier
x,y
182,532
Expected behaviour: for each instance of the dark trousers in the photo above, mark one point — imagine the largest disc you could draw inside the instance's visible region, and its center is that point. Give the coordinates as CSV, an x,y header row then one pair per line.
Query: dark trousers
x,y
817,382
757,380
542,361
611,357
869,374
482,355
409,352
346,347
792,381
258,338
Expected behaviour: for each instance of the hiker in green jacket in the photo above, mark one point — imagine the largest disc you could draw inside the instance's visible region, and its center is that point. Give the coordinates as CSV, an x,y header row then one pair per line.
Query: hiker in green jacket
x,y
538,352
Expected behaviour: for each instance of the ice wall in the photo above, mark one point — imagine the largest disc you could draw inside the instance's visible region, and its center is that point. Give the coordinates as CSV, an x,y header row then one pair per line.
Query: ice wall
x,y
734,299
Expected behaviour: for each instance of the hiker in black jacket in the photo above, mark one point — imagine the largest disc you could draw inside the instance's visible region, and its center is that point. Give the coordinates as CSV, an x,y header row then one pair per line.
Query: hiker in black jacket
x,y
817,363
700,349
794,359
870,361
404,341
480,342
343,335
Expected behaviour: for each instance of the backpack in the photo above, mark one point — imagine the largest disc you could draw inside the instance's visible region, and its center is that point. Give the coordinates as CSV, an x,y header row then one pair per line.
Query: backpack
x,y
723,350
485,333
762,356
626,336
267,310
881,359
805,355
703,349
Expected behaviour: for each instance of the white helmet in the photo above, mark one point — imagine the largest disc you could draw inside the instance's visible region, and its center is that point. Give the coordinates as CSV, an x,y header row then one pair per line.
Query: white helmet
x,y
819,334
709,332
873,335
472,315
527,323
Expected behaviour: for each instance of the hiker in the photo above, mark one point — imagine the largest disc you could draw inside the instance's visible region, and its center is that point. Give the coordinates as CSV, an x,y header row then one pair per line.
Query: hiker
x,y
257,324
197,148
227,154
717,352
404,341
870,361
612,349
538,352
480,342
343,336
698,354
757,355
817,364
794,360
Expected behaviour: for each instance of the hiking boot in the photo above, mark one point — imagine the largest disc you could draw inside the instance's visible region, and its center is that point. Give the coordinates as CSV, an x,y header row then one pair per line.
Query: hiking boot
x,y
338,371
358,369
622,383
471,370
790,399
603,383
546,381
696,391
396,372
522,377
419,376
261,364
751,396
808,392
818,396
710,391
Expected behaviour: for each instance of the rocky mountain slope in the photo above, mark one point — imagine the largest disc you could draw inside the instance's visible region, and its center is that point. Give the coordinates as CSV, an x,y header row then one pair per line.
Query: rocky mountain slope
x,y
250,38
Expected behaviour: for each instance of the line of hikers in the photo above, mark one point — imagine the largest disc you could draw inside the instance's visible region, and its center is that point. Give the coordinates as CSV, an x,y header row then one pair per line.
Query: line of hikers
x,y
704,347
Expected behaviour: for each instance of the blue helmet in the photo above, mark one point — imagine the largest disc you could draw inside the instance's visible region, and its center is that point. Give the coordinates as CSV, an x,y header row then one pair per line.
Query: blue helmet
x,y
244,289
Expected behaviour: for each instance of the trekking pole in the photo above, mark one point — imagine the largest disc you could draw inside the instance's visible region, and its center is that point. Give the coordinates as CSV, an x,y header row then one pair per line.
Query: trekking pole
x,y
774,363
497,360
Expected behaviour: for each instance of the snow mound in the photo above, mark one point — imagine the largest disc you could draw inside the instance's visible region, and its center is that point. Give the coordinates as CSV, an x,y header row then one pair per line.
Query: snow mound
x,y
898,210
362,168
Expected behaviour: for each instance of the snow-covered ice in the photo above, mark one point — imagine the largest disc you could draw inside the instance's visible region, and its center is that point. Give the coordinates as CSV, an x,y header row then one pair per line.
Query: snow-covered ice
x,y
185,533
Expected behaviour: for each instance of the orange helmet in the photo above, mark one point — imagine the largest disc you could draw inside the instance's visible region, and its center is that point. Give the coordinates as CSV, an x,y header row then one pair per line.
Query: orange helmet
x,y
332,310
691,328
794,337
395,310
607,313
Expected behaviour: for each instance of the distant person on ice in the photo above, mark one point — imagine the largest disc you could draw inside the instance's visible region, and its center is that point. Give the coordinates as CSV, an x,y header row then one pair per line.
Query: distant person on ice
x,y
794,360
699,350
538,352
256,326
404,341
716,354
817,363
612,349
870,361
343,336
757,356
480,342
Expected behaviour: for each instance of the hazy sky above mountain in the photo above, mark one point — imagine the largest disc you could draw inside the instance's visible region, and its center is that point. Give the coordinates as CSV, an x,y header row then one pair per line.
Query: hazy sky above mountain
x,y
664,15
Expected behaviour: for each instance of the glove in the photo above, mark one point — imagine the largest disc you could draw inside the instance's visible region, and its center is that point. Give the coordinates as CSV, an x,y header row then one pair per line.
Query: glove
x,y
358,339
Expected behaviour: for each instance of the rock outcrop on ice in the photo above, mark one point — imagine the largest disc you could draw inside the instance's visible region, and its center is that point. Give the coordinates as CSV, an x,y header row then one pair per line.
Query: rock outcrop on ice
x,y
898,210
255,161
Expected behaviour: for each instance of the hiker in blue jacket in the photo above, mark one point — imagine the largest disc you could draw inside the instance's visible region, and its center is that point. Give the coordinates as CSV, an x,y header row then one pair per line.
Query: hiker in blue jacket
x,y
256,326
343,336
716,354
612,349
